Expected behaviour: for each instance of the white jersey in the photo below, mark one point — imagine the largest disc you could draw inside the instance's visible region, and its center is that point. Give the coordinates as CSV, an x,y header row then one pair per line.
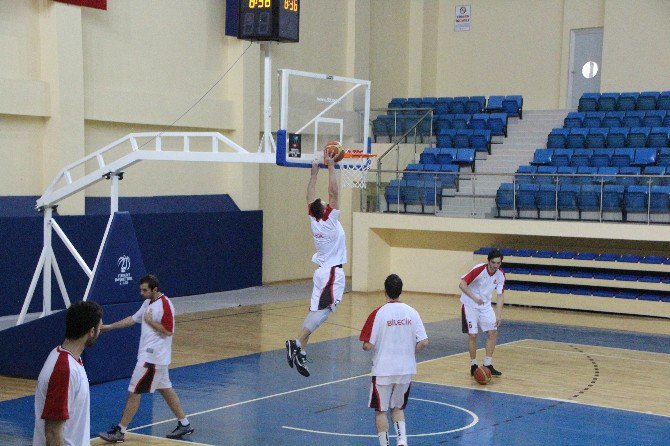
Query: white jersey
x,y
394,329
154,348
482,284
329,239
62,394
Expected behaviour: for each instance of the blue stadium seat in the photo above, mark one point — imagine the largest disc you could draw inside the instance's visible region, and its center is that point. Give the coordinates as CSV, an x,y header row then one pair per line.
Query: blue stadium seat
x,y
663,157
567,174
476,104
581,157
465,157
547,174
626,294
460,121
527,176
663,101
430,173
653,118
565,255
636,198
568,198
457,106
626,180
526,197
654,170
627,101
603,292
445,138
653,260
513,106
544,254
505,198
637,137
651,296
632,119
431,195
441,107
600,158
644,157
524,252
647,100
441,122
596,138
479,121
622,157
589,198
381,126
593,119
545,197
604,275
617,137
613,119
557,139
494,104
607,174
561,157
588,102
397,103
449,178
542,157
577,138
446,155
480,140
427,157
607,257
462,138
630,258
411,193
393,192
573,120
497,123
585,256
484,251
607,101
586,170
613,196
658,137
660,199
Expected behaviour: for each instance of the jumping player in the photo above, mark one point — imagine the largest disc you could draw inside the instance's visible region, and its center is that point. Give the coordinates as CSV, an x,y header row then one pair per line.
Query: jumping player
x,y
477,287
331,254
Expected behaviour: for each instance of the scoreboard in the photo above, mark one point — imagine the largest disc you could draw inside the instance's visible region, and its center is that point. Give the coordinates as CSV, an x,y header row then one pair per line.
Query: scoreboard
x,y
264,20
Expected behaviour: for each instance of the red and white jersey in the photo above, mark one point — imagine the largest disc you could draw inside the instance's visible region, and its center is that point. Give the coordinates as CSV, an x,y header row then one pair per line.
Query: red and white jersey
x,y
394,329
329,239
155,348
62,394
482,284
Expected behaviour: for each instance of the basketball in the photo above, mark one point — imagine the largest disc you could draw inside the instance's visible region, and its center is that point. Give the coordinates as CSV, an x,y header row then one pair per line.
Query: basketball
x,y
334,150
482,375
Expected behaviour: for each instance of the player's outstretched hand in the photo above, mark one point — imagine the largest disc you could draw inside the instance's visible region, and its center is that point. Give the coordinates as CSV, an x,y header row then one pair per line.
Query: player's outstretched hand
x,y
147,315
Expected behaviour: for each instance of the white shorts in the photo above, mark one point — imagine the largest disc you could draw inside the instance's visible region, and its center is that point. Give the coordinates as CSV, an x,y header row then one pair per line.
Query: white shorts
x,y
394,396
471,318
328,288
148,377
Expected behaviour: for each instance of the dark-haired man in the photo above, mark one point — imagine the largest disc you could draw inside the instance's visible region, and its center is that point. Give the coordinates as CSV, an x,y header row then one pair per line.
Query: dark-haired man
x,y
331,254
477,287
62,397
153,358
395,332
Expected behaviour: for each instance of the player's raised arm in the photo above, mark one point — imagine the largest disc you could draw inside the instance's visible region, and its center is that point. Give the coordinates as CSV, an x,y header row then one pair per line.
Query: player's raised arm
x,y
311,186
333,187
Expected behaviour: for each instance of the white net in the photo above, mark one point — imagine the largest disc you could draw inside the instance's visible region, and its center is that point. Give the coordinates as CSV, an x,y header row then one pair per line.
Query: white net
x,y
354,171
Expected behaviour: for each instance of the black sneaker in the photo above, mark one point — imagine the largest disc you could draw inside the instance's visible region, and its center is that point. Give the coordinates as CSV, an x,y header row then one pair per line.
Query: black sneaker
x,y
299,361
114,435
180,431
472,369
291,350
493,371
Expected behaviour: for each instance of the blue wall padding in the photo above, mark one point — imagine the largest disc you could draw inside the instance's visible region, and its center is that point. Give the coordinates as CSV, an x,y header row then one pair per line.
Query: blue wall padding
x,y
192,253
112,357
120,267
163,204
18,206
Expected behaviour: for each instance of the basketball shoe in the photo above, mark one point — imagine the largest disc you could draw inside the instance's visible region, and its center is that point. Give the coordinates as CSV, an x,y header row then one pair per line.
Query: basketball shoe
x,y
180,431
494,372
473,367
291,350
299,361
114,435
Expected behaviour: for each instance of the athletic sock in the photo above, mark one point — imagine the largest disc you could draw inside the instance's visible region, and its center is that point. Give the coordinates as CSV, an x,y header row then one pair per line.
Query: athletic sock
x,y
123,428
383,438
400,432
184,421
473,362
488,360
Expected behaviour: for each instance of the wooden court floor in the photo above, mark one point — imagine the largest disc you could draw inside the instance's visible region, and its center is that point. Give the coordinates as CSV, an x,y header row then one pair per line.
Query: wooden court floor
x,y
624,378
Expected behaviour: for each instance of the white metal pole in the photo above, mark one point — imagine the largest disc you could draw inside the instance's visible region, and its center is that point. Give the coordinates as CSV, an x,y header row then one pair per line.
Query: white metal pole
x,y
114,195
61,284
46,277
31,288
267,98
68,244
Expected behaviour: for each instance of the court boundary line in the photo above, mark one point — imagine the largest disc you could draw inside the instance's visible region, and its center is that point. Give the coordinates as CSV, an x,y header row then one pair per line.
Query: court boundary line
x,y
288,392
600,355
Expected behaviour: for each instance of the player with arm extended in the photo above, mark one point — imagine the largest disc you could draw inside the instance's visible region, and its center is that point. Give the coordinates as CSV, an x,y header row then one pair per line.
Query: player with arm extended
x,y
477,287
153,358
394,332
331,254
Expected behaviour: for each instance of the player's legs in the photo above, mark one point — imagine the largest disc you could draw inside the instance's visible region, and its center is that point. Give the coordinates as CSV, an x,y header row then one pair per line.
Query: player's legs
x,y
491,342
398,401
398,417
132,404
172,400
487,320
469,318
382,425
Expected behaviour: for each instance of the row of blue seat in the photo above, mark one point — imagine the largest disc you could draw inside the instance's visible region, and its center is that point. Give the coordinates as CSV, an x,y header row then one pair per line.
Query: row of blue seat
x,y
650,118
479,140
588,273
647,100
447,174
512,105
495,122
627,175
620,293
574,255
389,125
413,193
580,198
619,157
613,137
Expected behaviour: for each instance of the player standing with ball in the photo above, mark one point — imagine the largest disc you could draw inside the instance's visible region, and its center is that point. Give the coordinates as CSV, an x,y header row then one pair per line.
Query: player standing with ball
x,y
331,254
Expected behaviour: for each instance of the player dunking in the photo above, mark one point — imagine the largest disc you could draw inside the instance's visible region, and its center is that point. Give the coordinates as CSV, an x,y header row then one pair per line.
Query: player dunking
x,y
477,287
331,254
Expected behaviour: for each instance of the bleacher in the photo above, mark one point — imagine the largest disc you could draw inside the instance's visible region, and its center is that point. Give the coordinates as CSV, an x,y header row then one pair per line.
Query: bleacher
x,y
612,160
569,279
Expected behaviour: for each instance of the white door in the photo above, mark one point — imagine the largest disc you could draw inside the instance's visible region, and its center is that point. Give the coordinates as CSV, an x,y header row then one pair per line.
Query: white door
x,y
586,49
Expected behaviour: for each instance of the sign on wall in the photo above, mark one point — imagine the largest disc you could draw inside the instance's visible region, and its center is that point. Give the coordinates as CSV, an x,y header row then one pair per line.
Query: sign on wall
x,y
462,18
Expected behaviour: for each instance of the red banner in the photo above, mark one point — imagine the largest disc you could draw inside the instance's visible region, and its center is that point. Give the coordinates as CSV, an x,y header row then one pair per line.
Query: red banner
x,y
98,4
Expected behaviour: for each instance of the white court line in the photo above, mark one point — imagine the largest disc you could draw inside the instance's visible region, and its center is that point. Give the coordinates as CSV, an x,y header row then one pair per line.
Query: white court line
x,y
180,441
295,390
475,420
572,352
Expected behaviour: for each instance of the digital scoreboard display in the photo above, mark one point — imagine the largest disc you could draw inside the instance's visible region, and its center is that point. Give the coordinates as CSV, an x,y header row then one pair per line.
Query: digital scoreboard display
x,y
275,20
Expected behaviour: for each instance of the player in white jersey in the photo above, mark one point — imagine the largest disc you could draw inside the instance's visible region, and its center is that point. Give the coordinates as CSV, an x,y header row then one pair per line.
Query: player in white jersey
x,y
153,358
331,254
395,332
477,287
62,397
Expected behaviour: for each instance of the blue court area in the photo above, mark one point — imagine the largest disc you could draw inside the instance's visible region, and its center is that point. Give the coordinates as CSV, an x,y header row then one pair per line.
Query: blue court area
x,y
257,399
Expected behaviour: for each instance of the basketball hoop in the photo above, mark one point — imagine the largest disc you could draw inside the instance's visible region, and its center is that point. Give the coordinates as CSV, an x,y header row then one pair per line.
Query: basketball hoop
x,y
354,167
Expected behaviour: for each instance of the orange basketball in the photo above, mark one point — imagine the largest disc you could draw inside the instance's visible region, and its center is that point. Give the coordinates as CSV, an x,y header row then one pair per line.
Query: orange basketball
x,y
334,150
482,375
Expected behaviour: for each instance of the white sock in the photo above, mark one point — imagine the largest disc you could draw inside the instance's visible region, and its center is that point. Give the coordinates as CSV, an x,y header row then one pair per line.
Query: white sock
x,y
488,360
400,431
184,421
123,429
473,362
297,342
383,438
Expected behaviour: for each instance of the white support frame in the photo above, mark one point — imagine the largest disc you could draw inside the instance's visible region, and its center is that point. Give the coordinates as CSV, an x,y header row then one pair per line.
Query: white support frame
x,y
340,122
